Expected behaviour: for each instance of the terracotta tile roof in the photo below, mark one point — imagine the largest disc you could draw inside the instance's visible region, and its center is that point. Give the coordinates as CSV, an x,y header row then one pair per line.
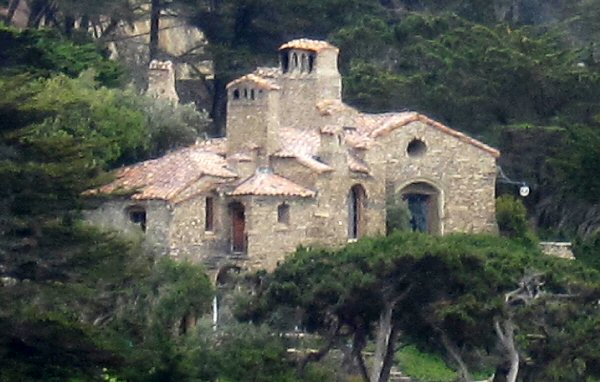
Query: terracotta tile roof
x,y
371,126
327,107
265,183
306,44
267,72
166,177
297,142
313,164
260,82
357,165
213,145
403,120
303,145
240,157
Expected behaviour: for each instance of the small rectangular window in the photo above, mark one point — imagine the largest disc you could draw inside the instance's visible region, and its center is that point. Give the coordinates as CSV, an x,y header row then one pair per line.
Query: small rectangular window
x,y
137,215
209,215
283,214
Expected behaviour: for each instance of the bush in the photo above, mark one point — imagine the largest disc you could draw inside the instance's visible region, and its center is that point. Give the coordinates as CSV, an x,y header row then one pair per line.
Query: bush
x,y
397,216
511,216
588,250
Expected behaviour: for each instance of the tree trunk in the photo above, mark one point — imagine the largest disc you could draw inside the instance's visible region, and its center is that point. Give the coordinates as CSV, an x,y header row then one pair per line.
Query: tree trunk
x,y
315,357
154,28
218,112
13,5
69,25
385,341
507,339
358,344
37,8
453,351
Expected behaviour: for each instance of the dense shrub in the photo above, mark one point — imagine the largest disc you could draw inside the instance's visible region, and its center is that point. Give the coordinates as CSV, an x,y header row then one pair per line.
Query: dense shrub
x,y
511,216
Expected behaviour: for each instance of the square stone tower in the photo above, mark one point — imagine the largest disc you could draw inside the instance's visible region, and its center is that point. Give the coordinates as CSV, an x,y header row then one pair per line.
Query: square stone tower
x,y
261,103
309,73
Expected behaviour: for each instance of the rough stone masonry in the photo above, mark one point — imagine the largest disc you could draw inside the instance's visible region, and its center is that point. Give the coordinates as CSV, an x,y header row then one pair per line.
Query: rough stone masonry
x,y
298,166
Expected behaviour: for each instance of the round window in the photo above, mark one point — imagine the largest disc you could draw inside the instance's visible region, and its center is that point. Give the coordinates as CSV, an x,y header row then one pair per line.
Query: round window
x,y
416,148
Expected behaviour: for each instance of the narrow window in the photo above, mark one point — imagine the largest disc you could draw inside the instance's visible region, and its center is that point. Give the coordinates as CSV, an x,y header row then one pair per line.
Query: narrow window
x,y
303,63
209,215
245,93
285,62
295,60
137,215
252,94
283,214
356,203
236,94
311,62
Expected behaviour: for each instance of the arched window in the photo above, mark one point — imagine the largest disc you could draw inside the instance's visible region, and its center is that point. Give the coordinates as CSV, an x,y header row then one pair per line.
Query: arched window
x,y
423,202
238,227
357,199
294,60
303,63
311,62
236,94
252,94
245,93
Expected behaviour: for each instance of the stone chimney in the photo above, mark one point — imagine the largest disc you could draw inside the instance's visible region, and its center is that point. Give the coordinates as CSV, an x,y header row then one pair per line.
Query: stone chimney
x,y
161,80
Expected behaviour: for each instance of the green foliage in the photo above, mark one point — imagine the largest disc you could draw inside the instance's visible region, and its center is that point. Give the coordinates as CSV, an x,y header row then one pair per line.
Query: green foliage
x,y
469,75
511,216
587,250
424,367
397,215
578,162
453,286
45,53
60,133
170,125
251,353
79,277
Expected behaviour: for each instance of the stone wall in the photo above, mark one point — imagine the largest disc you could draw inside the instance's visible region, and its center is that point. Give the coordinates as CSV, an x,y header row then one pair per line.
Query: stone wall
x,y
114,215
562,250
464,175
161,81
252,118
270,241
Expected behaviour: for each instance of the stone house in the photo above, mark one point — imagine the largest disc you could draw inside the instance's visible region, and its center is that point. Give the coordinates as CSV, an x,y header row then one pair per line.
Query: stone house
x,y
298,166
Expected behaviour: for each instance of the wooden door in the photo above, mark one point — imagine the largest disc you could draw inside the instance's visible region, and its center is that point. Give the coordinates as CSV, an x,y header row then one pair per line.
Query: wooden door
x,y
238,228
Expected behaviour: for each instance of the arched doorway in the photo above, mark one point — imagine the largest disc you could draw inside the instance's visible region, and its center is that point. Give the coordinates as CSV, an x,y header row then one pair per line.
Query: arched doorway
x,y
423,203
238,227
357,199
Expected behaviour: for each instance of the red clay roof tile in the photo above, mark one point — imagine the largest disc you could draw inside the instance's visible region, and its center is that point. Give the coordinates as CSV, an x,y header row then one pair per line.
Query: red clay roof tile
x,y
167,176
307,44
265,183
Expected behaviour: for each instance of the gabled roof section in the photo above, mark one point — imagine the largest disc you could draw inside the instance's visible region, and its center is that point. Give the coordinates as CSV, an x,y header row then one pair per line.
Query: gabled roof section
x,y
258,81
166,177
265,183
303,145
307,44
366,128
213,145
403,119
